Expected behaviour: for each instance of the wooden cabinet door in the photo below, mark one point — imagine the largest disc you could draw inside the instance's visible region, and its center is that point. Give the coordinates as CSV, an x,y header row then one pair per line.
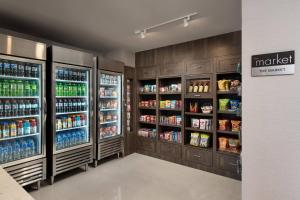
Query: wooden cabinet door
x,y
145,144
229,165
198,156
146,72
169,152
195,67
227,63
171,69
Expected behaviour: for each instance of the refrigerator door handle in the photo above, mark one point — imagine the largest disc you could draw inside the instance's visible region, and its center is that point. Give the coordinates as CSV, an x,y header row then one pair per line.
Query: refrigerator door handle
x,y
45,108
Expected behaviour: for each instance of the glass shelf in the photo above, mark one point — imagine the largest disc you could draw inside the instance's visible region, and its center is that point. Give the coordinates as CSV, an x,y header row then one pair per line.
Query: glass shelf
x,y
70,81
19,117
17,137
18,77
67,129
67,113
109,122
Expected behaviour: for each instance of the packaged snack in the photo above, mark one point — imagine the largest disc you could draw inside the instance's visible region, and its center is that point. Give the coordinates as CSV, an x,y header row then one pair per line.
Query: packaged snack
x,y
194,107
223,143
178,120
234,84
162,104
191,87
223,125
194,139
201,87
206,109
234,145
235,125
195,89
203,124
168,104
221,85
223,104
204,140
234,105
195,123
206,86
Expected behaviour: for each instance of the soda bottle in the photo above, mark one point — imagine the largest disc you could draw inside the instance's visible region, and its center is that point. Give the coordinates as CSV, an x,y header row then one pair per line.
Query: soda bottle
x,y
13,88
5,130
74,92
34,71
6,88
78,120
6,68
74,105
13,69
1,109
16,150
70,89
26,126
83,88
60,106
58,89
20,88
83,120
34,107
83,76
74,124
14,108
33,86
66,89
66,105
27,107
70,105
21,107
27,71
33,126
7,108
79,91
75,76
20,129
66,75
21,69
79,108
70,75
1,67
1,88
27,88
83,105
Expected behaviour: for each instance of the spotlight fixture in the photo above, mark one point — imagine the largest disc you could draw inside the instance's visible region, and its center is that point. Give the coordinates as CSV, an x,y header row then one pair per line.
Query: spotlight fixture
x,y
142,32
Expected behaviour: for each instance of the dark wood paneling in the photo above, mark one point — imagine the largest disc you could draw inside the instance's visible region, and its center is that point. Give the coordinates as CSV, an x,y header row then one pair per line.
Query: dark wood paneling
x,y
198,156
227,63
147,72
145,144
199,67
111,65
171,69
170,152
228,165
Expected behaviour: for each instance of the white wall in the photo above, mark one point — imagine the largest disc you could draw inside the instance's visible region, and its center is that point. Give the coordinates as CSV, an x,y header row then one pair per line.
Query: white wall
x,y
122,55
271,105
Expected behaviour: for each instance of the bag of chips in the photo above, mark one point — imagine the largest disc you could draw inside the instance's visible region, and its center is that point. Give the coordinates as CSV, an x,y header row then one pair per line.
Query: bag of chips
x,y
194,139
224,125
234,105
204,140
223,104
234,144
223,143
235,125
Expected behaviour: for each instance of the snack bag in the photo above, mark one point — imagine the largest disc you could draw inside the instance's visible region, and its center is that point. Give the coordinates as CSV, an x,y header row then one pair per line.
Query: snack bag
x,y
194,139
203,124
223,124
223,143
235,125
162,104
223,104
195,123
234,105
204,140
234,144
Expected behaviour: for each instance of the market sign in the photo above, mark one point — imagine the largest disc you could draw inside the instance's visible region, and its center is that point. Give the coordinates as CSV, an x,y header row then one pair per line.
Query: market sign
x,y
272,64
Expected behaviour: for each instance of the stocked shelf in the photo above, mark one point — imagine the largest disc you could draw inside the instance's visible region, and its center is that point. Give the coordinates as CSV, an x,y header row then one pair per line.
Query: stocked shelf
x,y
19,117
198,130
170,109
18,137
199,114
71,81
68,129
170,93
148,108
19,77
171,125
108,109
67,113
143,122
19,97
109,122
229,132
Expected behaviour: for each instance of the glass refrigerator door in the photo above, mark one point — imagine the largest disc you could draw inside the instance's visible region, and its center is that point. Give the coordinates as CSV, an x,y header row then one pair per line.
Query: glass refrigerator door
x,y
20,109
72,106
110,96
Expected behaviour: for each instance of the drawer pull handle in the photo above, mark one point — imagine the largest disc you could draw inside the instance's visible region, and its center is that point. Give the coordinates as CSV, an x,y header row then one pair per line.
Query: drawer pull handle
x,y
197,95
197,156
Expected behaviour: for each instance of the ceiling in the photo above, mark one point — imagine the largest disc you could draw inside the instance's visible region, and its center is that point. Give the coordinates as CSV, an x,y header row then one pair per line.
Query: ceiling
x,y
106,25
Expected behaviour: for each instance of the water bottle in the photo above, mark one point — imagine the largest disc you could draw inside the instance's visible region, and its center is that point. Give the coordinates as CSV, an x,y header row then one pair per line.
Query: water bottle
x,y
58,142
24,149
66,140
16,150
10,152
31,147
69,135
5,153
83,136
1,155
74,138
78,138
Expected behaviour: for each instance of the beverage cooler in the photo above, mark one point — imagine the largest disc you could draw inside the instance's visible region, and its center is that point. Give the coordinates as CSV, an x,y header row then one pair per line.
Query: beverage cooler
x,y
71,110
109,136
22,109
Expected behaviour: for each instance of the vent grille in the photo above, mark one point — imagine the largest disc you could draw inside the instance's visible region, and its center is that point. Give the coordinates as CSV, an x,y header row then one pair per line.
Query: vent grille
x,y
110,147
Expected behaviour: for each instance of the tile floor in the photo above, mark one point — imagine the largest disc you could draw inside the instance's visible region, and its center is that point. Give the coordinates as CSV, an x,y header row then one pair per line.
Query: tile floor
x,y
139,177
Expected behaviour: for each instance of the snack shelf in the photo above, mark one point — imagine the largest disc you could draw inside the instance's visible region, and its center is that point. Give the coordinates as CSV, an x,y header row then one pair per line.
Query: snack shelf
x,y
199,114
19,117
19,77
228,92
198,130
17,137
170,93
67,129
169,142
171,125
148,108
228,112
171,109
108,109
108,122
143,122
68,113
147,93
229,132
198,147
70,81
228,152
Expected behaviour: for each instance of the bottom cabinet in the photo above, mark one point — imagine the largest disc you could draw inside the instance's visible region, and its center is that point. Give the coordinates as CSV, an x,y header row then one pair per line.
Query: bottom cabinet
x,y
198,158
146,146
228,165
169,151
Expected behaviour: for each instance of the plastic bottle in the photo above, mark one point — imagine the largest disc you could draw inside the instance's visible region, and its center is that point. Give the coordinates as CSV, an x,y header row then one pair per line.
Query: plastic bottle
x,y
5,152
70,74
1,86
1,68
14,108
16,151
27,107
66,140
70,105
72,139
13,88
6,67
66,75
1,131
20,128
74,105
31,147
34,107
1,109
66,105
66,90
21,69
79,105
27,91
83,105
21,108
1,151
27,71
20,88
13,69
33,126
13,129
7,108
34,71
9,152
26,126
6,88
34,88
5,130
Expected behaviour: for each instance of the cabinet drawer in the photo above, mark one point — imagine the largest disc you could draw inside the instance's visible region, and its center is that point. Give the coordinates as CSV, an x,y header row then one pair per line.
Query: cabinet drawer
x,y
198,67
168,151
198,156
227,63
145,144
147,72
171,69
230,165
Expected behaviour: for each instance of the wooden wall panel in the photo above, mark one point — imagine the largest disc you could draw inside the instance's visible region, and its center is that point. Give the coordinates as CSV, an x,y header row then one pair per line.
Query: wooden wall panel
x,y
199,67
